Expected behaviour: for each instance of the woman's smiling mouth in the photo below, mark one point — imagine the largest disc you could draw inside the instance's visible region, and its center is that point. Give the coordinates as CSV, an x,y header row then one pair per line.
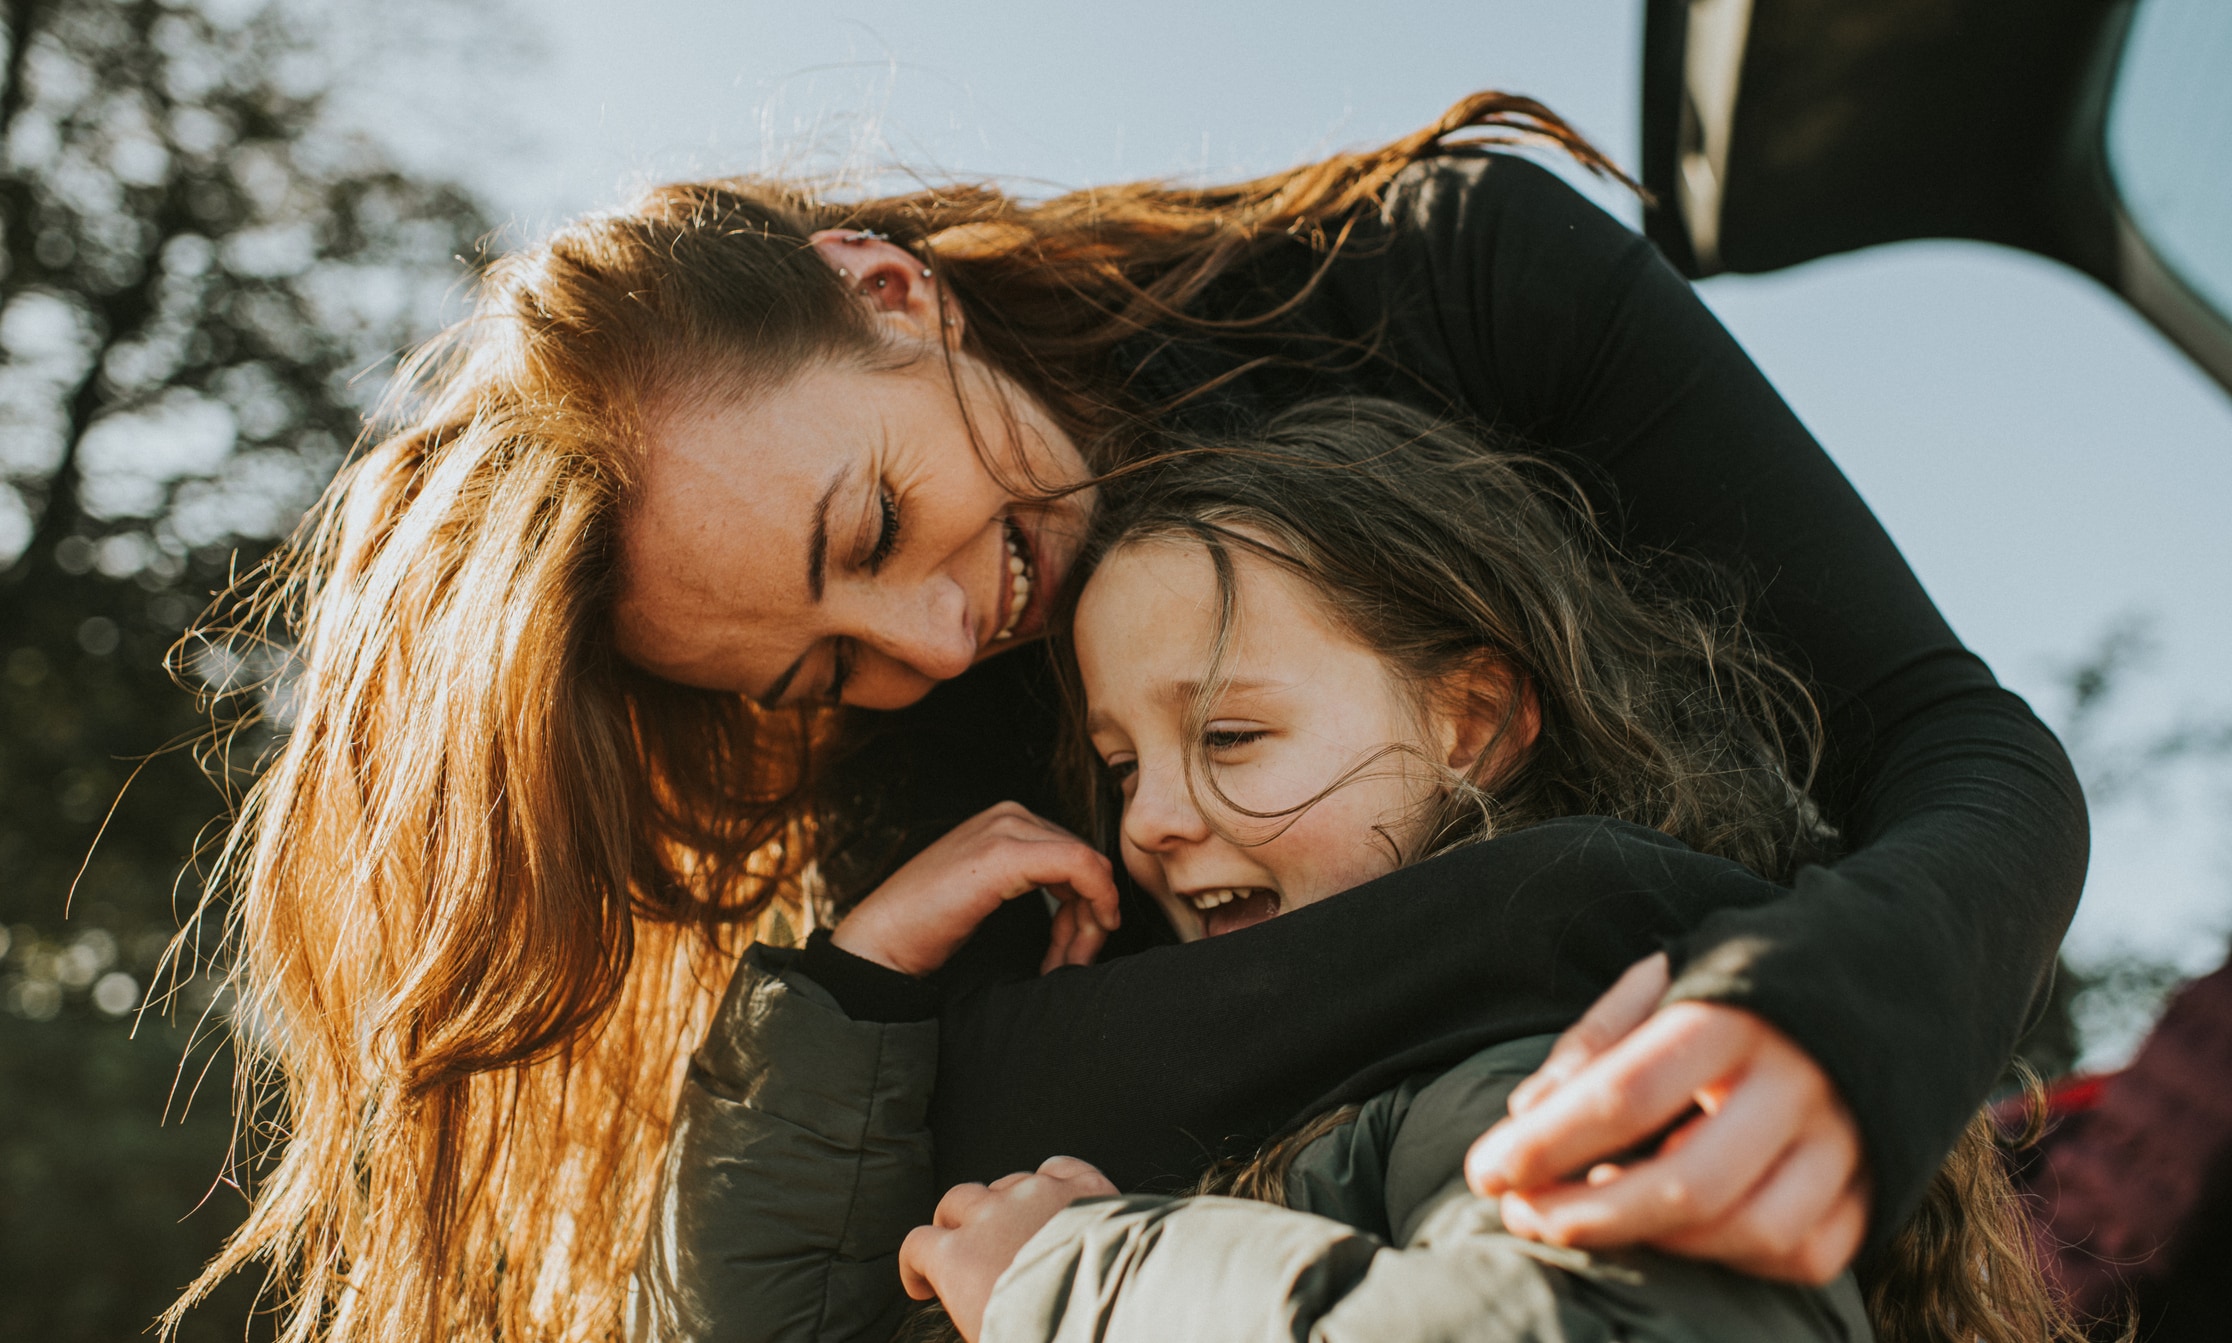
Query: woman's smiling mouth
x,y
1022,579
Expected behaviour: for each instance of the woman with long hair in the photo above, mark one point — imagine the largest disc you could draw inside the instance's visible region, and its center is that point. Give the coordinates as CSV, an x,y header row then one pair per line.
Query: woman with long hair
x,y
692,588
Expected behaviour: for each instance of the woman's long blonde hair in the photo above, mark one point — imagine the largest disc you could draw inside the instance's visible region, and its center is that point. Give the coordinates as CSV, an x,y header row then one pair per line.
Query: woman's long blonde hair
x,y
481,901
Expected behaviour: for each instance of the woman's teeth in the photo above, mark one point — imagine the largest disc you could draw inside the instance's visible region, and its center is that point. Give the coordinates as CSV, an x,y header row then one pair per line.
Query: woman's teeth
x,y
1019,574
1208,900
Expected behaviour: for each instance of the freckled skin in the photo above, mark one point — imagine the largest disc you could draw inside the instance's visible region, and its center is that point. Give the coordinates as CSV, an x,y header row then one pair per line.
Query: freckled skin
x,y
713,569
1323,704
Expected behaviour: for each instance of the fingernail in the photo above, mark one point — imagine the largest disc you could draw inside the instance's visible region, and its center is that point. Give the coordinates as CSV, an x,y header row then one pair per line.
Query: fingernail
x,y
1520,1217
1484,1164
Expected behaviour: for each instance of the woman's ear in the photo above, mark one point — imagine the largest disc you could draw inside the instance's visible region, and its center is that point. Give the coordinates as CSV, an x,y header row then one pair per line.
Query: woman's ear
x,y
893,281
1490,720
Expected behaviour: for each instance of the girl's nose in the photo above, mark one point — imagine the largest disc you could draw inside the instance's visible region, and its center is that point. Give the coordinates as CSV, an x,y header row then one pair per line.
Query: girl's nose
x,y
1160,815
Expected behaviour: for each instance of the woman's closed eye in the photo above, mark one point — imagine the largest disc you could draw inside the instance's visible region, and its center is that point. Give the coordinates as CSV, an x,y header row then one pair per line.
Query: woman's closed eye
x,y
1121,767
887,528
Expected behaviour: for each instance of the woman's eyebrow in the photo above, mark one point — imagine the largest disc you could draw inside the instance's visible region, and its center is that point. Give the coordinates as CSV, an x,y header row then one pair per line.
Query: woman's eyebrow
x,y
817,551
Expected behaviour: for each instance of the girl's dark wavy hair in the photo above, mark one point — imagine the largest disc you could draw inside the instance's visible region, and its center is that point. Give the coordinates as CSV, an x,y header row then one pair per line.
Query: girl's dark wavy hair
x,y
1447,556
1438,546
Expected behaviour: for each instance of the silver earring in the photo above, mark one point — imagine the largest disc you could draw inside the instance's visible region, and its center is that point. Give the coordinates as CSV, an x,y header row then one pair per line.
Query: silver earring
x,y
881,282
843,274
868,235
925,272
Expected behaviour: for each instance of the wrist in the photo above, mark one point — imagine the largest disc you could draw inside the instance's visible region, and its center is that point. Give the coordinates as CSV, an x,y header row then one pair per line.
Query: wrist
x,y
865,939
867,990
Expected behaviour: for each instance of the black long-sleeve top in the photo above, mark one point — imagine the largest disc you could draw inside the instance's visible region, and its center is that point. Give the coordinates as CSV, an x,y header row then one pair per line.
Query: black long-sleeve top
x,y
1907,969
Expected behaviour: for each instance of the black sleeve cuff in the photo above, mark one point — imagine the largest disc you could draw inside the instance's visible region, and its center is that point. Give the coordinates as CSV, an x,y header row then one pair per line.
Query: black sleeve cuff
x,y
865,990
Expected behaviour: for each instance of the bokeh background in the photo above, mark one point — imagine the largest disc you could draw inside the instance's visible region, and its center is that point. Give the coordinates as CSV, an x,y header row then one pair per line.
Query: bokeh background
x,y
223,220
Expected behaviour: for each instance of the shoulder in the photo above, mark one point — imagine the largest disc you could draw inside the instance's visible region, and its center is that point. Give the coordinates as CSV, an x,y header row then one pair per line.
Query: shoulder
x,y
1407,1141
1427,1151
1482,185
1491,280
1498,203
1581,848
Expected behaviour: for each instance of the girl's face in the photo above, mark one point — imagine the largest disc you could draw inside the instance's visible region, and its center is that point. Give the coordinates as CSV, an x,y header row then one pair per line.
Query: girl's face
x,y
842,537
1303,705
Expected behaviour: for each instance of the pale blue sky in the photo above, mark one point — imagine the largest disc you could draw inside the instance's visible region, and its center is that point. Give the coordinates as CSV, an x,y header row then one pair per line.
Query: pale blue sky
x,y
2046,462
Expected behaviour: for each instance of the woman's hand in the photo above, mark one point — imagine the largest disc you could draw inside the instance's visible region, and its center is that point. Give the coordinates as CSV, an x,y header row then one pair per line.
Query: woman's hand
x,y
1764,1175
977,1230
921,916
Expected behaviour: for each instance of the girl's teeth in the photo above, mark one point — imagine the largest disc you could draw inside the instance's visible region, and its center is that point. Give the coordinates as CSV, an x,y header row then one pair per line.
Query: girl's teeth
x,y
1208,900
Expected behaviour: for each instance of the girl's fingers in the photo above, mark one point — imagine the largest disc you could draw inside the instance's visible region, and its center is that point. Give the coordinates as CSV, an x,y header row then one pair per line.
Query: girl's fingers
x,y
918,1256
1626,1005
1087,933
1034,864
954,1208
1062,934
1626,1094
1071,1168
1077,934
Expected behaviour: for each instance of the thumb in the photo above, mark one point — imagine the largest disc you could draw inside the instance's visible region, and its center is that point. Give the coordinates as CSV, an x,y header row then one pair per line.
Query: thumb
x,y
916,1255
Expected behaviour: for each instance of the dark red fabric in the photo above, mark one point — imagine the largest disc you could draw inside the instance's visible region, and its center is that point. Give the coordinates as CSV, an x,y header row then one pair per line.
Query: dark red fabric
x,y
2135,1188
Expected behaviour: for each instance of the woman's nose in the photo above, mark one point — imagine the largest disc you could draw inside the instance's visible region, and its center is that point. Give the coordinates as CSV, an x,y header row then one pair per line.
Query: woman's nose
x,y
1160,815
930,633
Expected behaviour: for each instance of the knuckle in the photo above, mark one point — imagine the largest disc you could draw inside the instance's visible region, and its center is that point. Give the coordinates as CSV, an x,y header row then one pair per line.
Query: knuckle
x,y
1615,1096
1679,1201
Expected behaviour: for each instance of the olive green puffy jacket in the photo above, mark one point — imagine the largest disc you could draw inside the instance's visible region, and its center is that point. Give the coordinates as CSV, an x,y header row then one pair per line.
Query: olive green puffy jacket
x,y
801,1159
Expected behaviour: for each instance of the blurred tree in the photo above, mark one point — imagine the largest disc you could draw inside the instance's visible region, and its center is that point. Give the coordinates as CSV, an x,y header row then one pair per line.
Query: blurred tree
x,y
202,281
2107,1004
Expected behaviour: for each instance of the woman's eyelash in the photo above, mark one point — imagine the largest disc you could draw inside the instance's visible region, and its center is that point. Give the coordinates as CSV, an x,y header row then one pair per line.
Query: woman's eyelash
x,y
1227,739
887,533
1120,770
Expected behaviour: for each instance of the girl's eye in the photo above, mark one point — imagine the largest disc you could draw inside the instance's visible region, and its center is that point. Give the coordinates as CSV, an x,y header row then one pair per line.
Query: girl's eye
x,y
887,532
1227,739
1122,769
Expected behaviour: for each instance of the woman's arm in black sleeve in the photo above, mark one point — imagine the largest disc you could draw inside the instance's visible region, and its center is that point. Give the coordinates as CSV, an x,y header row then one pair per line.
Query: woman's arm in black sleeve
x,y
1909,968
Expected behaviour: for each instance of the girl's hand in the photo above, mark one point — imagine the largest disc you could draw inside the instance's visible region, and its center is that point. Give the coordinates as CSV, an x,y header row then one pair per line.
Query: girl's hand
x,y
1765,1175
921,916
977,1230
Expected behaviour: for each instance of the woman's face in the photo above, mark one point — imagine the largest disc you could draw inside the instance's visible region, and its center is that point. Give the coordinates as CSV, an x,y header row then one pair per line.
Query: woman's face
x,y
1304,704
843,537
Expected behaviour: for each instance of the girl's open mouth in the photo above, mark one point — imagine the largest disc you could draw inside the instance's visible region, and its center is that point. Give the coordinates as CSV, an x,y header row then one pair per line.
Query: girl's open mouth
x,y
1227,908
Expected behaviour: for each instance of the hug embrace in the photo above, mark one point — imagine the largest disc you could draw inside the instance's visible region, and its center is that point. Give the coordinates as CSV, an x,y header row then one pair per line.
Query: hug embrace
x,y
1315,758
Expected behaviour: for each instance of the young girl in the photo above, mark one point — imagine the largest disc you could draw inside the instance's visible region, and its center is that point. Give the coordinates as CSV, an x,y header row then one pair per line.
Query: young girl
x,y
1351,643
